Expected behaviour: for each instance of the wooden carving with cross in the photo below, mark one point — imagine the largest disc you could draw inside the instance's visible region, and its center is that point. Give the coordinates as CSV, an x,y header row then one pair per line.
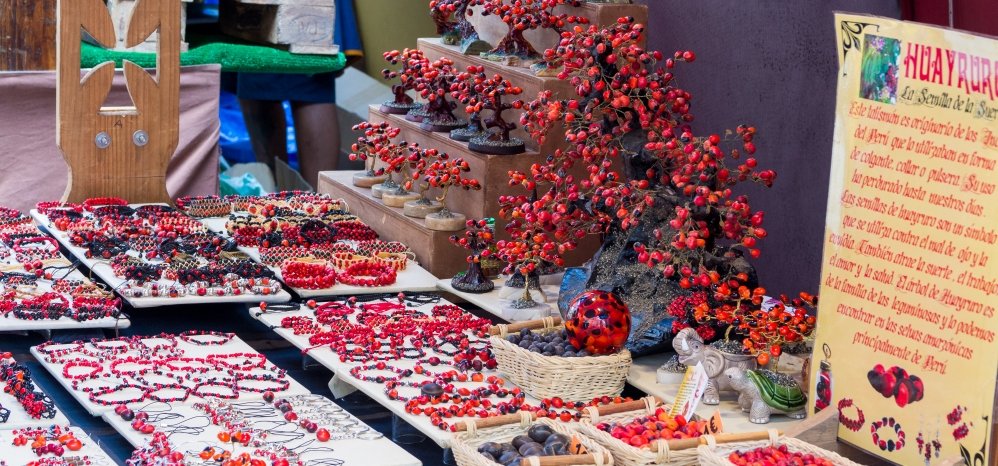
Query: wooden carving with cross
x,y
118,151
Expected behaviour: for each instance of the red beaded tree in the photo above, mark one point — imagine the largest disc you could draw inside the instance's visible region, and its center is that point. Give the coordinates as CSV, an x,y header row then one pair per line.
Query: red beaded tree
x,y
433,83
765,330
497,139
464,91
439,170
435,169
478,237
369,147
524,15
451,19
673,204
412,61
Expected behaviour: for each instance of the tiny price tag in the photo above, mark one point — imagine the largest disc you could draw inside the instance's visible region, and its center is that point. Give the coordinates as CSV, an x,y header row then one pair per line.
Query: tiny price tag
x,y
690,392
714,426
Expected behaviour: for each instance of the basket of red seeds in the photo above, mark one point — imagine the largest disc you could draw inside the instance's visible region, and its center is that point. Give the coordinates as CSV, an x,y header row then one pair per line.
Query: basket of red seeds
x,y
538,357
777,450
643,433
521,439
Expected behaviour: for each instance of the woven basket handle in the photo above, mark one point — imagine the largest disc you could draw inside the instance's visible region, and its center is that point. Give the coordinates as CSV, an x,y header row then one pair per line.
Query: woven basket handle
x,y
547,322
522,417
664,447
565,460
647,403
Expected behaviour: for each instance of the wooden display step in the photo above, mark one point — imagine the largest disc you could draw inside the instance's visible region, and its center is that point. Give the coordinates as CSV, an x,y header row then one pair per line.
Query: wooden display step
x,y
522,77
491,28
492,171
303,26
433,248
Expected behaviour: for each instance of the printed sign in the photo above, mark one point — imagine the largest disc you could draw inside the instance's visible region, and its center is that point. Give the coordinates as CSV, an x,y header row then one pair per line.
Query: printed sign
x,y
908,286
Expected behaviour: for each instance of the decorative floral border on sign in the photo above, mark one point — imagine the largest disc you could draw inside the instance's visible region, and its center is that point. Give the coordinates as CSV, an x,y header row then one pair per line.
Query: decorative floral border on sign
x,y
851,30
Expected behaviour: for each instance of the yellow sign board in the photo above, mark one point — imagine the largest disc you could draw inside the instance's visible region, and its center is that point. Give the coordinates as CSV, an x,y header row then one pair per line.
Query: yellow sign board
x,y
909,281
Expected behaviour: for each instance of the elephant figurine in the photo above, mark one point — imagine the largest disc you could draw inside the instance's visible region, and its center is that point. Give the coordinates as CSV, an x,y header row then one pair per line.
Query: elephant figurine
x,y
762,393
691,350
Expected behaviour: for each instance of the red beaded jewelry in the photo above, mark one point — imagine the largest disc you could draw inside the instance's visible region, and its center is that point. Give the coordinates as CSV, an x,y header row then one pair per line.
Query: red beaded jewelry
x,y
367,274
851,424
96,395
206,338
94,202
96,369
308,275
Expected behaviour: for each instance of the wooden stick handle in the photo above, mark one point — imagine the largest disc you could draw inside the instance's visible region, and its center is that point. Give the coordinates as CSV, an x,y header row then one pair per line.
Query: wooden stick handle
x,y
564,460
687,443
528,324
493,421
681,444
606,410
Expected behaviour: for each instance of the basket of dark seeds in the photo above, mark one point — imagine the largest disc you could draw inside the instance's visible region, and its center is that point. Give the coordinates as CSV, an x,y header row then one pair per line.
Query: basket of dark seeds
x,y
520,440
537,356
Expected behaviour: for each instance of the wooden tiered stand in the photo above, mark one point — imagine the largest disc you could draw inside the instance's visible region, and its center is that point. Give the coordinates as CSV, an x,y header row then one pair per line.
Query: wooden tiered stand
x,y
433,249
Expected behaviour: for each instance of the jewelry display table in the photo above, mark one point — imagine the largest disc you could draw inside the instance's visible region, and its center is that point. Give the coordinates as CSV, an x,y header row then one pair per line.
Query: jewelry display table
x,y
19,418
9,323
94,454
343,381
191,431
413,279
103,270
234,353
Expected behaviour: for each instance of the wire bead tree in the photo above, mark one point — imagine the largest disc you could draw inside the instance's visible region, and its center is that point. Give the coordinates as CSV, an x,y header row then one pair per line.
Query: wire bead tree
x,y
663,197
481,93
409,61
451,19
478,237
525,15
433,82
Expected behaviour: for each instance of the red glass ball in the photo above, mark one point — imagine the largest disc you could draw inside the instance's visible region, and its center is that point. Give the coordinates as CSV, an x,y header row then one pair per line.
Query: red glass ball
x,y
598,321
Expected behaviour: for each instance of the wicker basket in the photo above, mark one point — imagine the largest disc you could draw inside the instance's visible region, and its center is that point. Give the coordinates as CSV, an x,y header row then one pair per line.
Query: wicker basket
x,y
657,453
713,454
571,379
465,444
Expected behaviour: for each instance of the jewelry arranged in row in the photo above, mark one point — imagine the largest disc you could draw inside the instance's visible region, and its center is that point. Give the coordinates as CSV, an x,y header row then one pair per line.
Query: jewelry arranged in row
x,y
156,251
18,383
311,241
434,359
302,430
37,283
53,445
185,368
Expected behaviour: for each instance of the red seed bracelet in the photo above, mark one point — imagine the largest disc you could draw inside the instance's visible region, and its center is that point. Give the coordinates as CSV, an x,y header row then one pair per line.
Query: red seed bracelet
x,y
308,275
368,274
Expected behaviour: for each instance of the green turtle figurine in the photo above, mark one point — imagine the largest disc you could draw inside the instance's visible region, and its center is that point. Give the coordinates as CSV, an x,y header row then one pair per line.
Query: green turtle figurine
x,y
763,392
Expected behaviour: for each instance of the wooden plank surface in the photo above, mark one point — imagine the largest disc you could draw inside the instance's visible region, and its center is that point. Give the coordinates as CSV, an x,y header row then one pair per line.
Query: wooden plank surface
x,y
123,168
27,35
307,28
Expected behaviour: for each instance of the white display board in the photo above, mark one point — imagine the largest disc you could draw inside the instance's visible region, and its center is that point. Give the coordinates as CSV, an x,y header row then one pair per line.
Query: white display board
x,y
19,417
413,279
9,323
493,304
103,270
190,431
21,455
185,349
330,360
